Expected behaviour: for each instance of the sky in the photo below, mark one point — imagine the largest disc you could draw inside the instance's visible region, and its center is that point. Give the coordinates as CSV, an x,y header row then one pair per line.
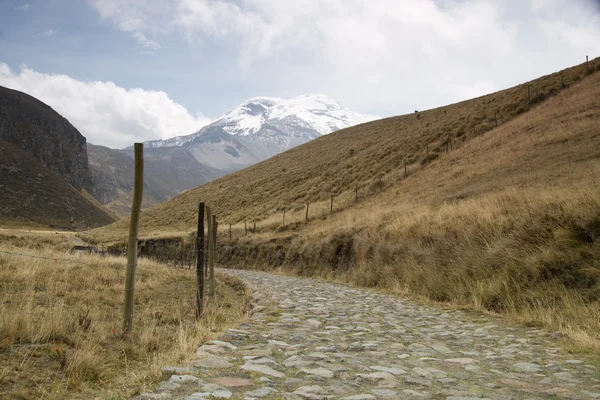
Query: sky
x,y
124,71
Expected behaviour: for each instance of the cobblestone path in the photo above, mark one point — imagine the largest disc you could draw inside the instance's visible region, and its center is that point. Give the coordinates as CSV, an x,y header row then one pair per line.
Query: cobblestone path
x,y
313,340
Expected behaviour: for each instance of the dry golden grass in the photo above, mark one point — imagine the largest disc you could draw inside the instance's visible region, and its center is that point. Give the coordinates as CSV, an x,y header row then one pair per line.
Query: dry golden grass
x,y
336,163
60,323
508,221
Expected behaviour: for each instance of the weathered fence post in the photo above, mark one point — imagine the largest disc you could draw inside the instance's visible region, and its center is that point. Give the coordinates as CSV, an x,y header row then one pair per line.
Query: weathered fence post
x,y
254,226
134,224
562,81
380,184
496,119
200,262
211,255
245,226
230,232
587,65
307,204
331,206
405,170
283,216
209,221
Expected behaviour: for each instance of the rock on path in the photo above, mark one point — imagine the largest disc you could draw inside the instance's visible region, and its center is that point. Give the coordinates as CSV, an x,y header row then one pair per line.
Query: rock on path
x,y
315,340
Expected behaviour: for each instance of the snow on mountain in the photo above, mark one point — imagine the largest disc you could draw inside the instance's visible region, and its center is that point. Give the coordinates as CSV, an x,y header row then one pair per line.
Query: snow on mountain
x,y
248,117
309,112
261,127
320,112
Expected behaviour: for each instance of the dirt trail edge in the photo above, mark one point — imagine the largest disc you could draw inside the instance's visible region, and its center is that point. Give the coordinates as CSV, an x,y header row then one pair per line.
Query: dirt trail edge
x,y
313,340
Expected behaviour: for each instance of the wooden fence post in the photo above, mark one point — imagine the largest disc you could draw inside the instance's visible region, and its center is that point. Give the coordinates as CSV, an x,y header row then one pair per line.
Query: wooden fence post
x,y
380,184
496,119
331,206
254,225
356,194
209,230
405,170
307,204
230,232
562,81
211,251
587,65
245,226
283,216
200,262
134,223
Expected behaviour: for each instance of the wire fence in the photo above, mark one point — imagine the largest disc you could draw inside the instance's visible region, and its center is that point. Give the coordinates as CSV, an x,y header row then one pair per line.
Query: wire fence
x,y
43,291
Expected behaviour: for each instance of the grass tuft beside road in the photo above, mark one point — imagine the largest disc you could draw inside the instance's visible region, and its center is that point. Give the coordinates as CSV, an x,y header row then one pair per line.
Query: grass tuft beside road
x,y
60,323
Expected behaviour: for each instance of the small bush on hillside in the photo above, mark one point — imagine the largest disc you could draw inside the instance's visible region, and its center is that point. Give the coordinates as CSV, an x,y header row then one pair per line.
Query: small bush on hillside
x,y
541,96
521,110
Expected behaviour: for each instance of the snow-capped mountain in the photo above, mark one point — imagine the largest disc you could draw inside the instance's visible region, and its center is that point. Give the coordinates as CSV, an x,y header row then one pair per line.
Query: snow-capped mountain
x,y
254,131
262,127
309,116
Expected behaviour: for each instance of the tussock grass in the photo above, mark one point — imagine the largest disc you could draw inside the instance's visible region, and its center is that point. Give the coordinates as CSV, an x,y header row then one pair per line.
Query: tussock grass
x,y
60,323
337,162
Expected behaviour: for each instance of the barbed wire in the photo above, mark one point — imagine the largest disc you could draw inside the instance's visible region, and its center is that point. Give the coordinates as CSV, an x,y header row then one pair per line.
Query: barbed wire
x,y
12,253
5,290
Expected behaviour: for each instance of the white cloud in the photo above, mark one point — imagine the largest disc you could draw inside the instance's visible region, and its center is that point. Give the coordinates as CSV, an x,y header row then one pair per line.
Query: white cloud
x,y
49,32
133,17
383,54
103,112
143,41
23,7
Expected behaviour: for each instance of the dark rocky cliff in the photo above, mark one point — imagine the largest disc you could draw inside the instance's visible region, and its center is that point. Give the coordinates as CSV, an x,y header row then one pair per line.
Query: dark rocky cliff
x,y
40,131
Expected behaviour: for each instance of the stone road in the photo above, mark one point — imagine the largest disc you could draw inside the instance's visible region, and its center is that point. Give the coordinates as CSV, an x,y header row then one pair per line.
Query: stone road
x,y
313,340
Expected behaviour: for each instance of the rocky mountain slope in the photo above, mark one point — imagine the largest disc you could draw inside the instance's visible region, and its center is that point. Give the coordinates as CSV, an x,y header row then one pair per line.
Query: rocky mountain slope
x,y
167,172
40,131
34,195
44,167
262,127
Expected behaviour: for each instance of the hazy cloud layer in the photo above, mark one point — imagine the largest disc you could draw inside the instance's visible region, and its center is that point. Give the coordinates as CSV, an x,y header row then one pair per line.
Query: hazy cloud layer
x,y
383,54
379,57
104,112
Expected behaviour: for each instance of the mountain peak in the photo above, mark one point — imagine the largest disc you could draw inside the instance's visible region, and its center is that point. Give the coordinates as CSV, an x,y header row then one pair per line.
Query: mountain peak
x,y
303,118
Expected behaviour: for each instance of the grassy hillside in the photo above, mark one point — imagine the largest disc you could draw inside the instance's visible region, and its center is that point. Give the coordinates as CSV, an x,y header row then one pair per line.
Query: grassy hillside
x,y
339,162
507,221
32,194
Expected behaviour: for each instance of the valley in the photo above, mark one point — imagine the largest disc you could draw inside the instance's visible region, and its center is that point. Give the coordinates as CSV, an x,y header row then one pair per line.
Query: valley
x,y
322,200
504,222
